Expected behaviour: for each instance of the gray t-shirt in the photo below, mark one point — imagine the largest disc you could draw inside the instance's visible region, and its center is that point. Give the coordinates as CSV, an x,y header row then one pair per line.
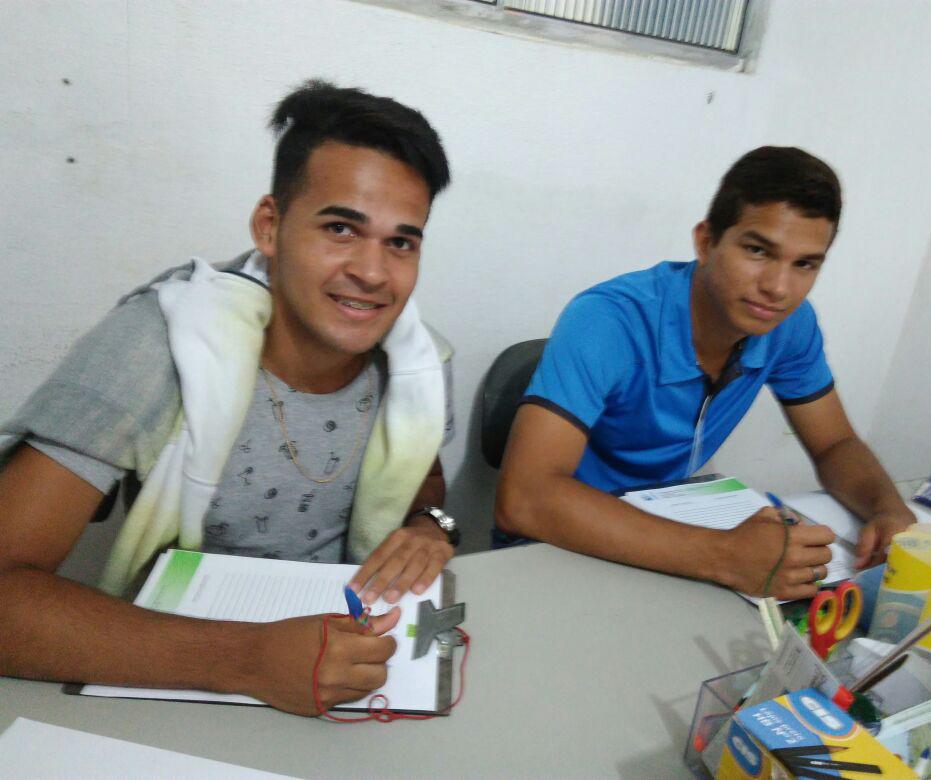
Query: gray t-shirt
x,y
264,506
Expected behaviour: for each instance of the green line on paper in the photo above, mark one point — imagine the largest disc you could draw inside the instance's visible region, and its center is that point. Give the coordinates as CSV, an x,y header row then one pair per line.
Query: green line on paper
x,y
720,486
174,580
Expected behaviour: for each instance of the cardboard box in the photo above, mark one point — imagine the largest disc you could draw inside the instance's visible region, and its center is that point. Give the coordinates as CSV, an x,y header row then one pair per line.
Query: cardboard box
x,y
803,735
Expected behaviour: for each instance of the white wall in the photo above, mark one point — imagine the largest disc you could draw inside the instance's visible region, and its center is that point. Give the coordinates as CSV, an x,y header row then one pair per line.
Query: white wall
x,y
902,424
570,165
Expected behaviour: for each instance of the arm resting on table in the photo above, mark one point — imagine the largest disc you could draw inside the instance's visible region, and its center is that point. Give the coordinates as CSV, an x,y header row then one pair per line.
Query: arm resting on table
x,y
850,472
55,629
539,497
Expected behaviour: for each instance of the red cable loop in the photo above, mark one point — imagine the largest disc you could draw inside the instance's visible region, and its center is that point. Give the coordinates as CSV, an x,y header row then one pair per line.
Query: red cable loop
x,y
381,714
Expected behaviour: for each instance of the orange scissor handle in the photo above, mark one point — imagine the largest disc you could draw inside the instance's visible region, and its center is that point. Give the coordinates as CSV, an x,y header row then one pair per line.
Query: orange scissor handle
x,y
833,614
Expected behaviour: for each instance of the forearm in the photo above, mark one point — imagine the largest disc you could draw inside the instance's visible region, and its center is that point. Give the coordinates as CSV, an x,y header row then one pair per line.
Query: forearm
x,y
567,513
54,629
851,473
432,491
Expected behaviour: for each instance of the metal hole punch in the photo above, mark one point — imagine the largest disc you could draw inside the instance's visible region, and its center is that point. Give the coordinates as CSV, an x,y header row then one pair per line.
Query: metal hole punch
x,y
438,624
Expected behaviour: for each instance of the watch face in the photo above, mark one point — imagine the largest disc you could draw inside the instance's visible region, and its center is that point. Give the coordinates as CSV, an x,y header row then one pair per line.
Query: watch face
x,y
446,523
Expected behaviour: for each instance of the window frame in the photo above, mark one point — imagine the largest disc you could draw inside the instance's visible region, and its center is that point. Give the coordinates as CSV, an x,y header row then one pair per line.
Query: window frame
x,y
522,24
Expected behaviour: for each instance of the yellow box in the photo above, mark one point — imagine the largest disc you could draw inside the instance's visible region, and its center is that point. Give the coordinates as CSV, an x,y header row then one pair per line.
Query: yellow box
x,y
803,734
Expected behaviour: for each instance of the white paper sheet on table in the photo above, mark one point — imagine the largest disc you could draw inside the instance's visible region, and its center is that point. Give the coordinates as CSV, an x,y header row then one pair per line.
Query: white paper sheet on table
x,y
826,510
232,587
41,751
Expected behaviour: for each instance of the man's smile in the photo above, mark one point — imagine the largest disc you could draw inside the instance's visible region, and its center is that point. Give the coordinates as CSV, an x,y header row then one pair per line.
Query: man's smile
x,y
357,308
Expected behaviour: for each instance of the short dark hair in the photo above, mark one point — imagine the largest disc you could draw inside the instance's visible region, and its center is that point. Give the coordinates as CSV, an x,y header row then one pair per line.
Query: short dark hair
x,y
775,174
319,111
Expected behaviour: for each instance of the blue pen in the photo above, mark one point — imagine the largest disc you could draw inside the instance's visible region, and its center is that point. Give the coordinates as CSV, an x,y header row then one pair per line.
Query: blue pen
x,y
784,512
356,607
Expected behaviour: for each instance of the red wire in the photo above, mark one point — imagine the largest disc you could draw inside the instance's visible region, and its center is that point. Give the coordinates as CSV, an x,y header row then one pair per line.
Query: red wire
x,y
382,714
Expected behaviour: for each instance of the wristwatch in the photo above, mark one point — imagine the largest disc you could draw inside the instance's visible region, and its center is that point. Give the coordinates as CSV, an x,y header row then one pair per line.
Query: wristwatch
x,y
446,523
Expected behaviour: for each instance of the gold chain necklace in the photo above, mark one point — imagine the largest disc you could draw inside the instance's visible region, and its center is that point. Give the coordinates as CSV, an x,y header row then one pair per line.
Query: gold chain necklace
x,y
278,410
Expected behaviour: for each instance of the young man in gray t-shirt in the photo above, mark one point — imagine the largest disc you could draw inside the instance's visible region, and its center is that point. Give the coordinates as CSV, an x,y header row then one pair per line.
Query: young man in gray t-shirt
x,y
354,179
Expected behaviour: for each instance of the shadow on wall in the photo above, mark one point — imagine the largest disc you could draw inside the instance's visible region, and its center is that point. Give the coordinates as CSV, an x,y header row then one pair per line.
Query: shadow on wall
x,y
86,560
470,497
497,398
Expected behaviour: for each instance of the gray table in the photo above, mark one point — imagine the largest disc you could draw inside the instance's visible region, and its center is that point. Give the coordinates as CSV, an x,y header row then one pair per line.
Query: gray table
x,y
579,668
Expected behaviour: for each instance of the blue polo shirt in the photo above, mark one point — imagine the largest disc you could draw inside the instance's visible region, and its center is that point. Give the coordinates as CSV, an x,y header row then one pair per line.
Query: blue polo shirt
x,y
620,365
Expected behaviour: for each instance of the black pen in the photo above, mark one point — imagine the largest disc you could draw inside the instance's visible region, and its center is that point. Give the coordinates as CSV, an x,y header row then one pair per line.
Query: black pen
x,y
823,763
809,750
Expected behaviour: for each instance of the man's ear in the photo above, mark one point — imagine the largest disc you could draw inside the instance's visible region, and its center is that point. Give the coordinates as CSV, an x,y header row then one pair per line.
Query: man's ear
x,y
702,241
264,226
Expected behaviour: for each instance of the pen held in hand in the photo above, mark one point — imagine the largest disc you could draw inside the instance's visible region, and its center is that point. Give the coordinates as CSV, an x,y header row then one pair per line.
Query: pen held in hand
x,y
787,515
357,610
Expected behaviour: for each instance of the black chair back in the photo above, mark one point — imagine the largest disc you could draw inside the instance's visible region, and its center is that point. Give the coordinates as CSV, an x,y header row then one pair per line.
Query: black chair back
x,y
504,386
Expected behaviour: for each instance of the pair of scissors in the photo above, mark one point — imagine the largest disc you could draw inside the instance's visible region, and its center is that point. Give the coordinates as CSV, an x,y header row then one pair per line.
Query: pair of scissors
x,y
833,614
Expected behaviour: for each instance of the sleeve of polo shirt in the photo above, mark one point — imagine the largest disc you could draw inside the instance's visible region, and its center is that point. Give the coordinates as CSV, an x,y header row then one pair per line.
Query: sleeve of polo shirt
x,y
802,374
583,361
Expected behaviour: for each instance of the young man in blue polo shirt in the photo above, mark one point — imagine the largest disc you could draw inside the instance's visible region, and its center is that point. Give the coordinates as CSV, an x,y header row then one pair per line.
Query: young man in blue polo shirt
x,y
645,375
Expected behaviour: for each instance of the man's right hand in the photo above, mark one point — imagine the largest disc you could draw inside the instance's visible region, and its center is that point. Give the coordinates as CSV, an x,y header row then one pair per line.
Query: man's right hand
x,y
285,652
754,546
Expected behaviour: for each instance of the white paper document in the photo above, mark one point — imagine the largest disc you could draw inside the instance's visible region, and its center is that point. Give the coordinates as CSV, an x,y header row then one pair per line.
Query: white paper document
x,y
720,503
826,510
41,751
231,587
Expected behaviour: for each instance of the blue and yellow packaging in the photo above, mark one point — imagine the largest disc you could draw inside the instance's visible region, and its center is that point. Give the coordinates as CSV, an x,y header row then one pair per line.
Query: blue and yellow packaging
x,y
803,735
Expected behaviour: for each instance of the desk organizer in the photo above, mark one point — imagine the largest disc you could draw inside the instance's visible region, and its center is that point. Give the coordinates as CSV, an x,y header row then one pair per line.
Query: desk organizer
x,y
717,700
719,697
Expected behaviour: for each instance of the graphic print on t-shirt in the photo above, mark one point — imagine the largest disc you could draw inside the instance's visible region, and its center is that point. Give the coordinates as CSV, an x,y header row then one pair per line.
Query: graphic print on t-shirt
x,y
265,506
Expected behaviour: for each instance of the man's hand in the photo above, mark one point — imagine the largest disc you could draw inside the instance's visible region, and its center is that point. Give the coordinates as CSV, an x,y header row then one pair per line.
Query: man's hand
x,y
409,559
877,534
754,546
852,474
353,662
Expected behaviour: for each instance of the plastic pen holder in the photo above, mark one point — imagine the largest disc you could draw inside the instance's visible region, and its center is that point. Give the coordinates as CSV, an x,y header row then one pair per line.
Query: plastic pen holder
x,y
717,700
719,697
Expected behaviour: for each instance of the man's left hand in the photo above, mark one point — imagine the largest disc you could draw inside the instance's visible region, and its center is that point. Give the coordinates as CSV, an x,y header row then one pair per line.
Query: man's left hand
x,y
876,537
409,559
